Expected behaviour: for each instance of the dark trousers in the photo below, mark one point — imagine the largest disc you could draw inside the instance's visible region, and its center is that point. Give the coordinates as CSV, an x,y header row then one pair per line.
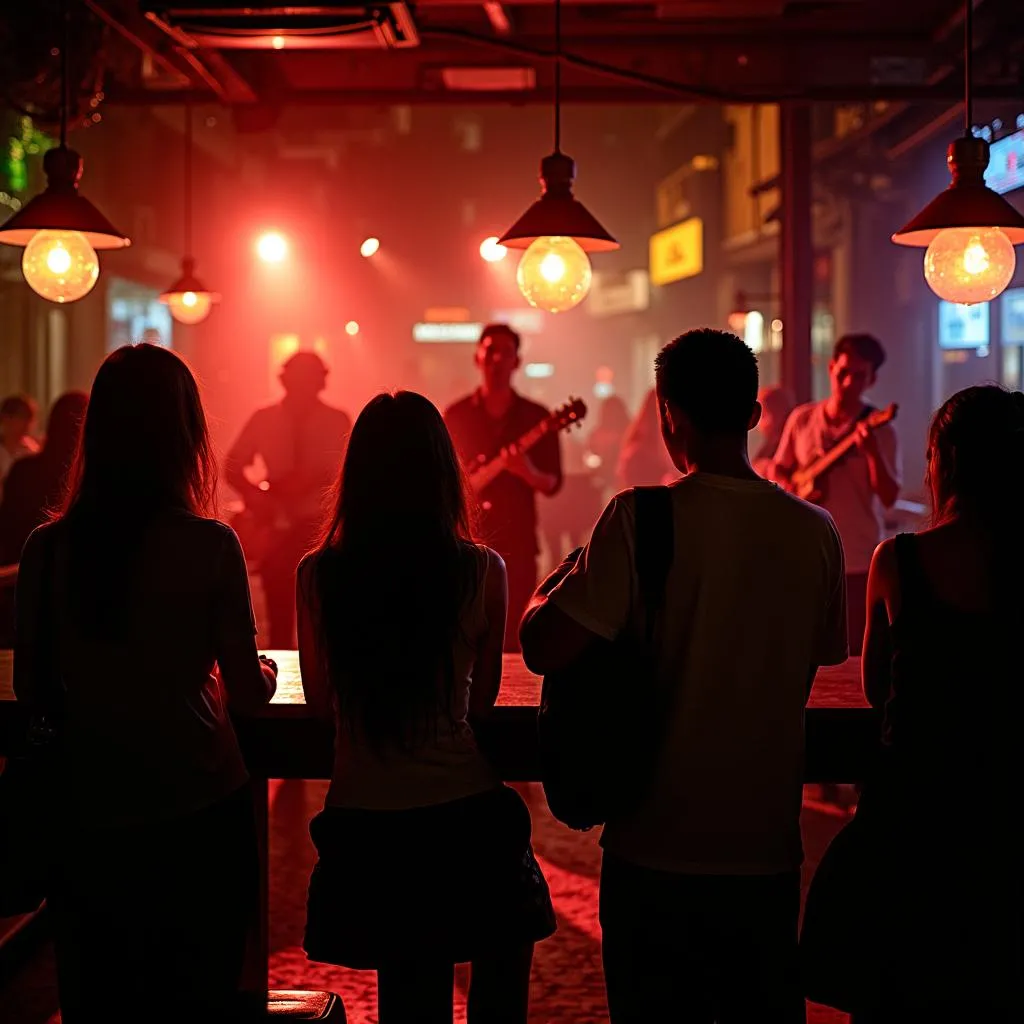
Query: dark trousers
x,y
277,574
700,949
150,922
522,581
856,609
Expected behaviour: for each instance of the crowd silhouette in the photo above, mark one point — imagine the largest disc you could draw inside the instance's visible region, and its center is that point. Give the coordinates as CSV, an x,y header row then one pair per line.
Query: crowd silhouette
x,y
133,605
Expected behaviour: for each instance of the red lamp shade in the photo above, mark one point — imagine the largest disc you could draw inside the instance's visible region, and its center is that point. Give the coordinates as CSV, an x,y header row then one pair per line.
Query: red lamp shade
x,y
558,213
61,208
188,298
967,203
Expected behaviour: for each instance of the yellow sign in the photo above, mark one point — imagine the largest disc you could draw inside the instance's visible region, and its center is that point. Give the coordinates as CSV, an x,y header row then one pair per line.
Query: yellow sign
x,y
677,252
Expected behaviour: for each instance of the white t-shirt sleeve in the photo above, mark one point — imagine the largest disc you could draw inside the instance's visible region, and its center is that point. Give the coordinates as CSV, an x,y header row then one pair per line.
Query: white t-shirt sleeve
x,y
598,593
833,644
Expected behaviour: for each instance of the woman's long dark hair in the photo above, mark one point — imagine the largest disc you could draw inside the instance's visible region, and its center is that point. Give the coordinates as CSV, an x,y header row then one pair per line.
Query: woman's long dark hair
x,y
394,570
145,450
976,460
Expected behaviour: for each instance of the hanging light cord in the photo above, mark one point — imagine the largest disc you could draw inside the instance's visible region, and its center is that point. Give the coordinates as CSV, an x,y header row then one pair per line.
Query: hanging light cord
x,y
188,182
558,76
968,66
65,83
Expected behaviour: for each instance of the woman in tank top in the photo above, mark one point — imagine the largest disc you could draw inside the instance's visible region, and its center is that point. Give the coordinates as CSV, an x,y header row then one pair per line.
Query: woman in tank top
x,y
916,911
424,856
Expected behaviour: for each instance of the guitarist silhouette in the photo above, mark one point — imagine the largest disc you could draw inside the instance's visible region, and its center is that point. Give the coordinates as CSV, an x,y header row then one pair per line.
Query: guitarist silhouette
x,y
301,441
487,424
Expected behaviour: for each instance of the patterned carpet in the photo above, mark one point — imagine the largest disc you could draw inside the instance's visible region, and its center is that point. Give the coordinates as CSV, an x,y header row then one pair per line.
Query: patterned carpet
x,y
567,983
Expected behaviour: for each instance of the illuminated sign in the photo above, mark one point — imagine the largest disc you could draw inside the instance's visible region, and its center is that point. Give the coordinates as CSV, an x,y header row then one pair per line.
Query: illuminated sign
x,y
1005,171
677,252
611,294
963,326
539,370
446,315
459,332
523,321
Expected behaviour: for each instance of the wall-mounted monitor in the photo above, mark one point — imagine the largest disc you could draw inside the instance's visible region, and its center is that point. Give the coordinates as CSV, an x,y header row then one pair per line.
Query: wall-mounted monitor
x,y
1005,170
963,326
1011,305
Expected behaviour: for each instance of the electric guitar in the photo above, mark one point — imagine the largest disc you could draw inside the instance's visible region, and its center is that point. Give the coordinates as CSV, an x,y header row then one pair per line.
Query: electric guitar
x,y
486,471
808,481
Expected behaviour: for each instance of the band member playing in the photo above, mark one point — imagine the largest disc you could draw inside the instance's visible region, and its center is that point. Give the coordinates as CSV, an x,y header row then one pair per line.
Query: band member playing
x,y
301,441
486,423
858,488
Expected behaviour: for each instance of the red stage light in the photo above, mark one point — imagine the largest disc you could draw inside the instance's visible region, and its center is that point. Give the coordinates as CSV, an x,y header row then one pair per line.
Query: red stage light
x,y
272,247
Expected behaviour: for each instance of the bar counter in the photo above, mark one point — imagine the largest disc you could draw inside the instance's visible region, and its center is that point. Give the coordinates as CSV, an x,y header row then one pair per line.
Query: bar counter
x,y
287,742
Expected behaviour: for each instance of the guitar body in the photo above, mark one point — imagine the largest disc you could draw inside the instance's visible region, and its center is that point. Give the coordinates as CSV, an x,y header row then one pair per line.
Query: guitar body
x,y
811,481
486,471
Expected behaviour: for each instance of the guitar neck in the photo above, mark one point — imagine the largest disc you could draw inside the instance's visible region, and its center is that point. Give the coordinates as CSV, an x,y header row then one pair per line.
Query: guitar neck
x,y
491,470
825,462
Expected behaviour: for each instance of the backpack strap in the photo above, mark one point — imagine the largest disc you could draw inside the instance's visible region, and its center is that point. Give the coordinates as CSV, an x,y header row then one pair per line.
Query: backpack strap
x,y
653,550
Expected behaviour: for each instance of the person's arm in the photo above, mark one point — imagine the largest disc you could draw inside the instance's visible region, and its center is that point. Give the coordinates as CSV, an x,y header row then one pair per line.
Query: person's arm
x,y
881,450
591,601
876,663
833,647
784,464
249,682
487,668
315,687
28,614
541,468
241,455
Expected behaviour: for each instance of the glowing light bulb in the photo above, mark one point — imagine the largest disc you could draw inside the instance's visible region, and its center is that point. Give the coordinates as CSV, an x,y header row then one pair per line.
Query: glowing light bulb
x,y
969,265
189,307
272,247
60,265
554,274
352,328
369,248
492,251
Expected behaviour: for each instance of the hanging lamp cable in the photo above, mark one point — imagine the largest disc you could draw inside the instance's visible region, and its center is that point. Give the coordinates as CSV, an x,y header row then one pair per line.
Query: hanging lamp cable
x,y
558,76
65,83
968,66
188,182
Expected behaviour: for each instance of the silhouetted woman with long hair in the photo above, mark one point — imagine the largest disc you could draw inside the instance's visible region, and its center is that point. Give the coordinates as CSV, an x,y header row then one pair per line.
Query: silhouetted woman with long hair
x,y
915,915
127,602
425,857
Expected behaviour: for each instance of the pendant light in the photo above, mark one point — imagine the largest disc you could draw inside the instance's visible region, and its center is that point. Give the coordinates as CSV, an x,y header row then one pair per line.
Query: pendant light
x,y
59,228
557,231
969,230
188,298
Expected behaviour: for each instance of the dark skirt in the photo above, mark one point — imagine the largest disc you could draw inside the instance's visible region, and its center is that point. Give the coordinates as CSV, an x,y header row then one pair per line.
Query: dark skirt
x,y
910,913
453,882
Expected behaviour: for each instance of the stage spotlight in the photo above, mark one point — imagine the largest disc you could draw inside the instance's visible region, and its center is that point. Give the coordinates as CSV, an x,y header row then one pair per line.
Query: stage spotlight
x,y
369,247
491,251
272,247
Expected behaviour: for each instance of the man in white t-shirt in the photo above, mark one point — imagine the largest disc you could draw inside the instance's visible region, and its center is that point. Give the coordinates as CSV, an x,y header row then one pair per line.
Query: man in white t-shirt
x,y
700,886
858,488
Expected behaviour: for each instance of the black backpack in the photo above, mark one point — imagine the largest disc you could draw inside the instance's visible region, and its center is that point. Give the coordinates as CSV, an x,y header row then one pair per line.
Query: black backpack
x,y
601,719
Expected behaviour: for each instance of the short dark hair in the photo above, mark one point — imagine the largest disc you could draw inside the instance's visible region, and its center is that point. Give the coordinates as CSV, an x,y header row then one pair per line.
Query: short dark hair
x,y
490,330
18,405
861,346
712,377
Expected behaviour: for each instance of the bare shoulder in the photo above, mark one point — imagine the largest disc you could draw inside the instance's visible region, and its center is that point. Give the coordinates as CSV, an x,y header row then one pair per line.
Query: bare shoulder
x,y
884,569
494,563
